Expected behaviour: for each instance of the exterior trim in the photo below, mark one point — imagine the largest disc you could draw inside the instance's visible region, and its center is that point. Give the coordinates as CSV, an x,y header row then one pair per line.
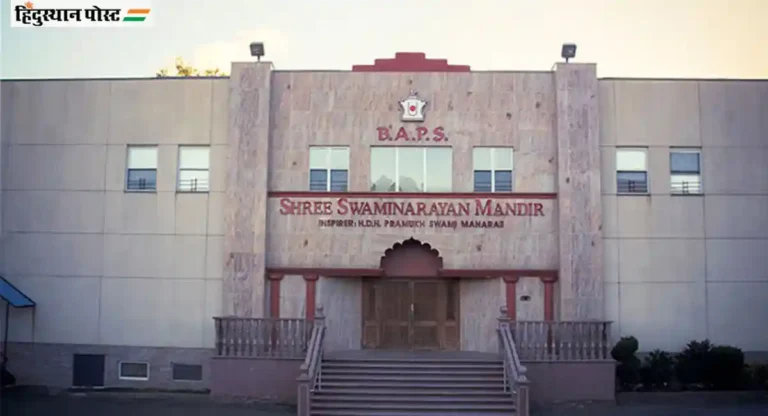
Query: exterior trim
x,y
378,272
411,195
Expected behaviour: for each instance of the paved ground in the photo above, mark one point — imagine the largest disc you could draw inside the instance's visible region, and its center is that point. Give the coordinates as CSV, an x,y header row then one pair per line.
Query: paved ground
x,y
131,405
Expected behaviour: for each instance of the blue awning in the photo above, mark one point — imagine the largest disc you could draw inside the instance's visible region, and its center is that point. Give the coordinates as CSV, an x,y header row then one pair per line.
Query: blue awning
x,y
13,295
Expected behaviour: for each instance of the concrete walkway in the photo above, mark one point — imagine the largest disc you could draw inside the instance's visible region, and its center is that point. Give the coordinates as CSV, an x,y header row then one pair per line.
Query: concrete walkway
x,y
128,404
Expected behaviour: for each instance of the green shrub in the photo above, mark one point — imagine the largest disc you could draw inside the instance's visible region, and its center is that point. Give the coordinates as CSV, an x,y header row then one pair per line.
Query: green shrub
x,y
628,368
759,376
625,348
693,363
725,368
657,370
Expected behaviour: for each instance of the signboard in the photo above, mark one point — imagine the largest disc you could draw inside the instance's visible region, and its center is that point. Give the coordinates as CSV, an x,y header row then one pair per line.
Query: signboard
x,y
351,213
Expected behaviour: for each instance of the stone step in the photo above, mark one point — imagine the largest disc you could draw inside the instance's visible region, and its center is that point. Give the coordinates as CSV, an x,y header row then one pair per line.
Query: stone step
x,y
440,378
410,384
489,392
410,360
361,412
429,365
403,399
397,405
413,371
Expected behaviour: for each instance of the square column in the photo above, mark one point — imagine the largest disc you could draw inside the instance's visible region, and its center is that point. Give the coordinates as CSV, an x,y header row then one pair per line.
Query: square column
x,y
578,191
246,198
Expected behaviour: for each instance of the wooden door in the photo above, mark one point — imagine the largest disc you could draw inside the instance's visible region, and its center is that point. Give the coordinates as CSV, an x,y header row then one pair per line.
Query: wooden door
x,y
386,314
426,316
415,314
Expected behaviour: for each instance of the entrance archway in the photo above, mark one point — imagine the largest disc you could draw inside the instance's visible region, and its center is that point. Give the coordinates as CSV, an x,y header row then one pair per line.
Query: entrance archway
x,y
411,306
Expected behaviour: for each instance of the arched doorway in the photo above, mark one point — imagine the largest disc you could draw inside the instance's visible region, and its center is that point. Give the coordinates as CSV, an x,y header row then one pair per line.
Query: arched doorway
x,y
411,306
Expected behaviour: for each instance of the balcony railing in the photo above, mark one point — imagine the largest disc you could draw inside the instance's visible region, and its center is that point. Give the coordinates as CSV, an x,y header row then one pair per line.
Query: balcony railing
x,y
262,337
631,187
686,187
141,184
562,340
193,185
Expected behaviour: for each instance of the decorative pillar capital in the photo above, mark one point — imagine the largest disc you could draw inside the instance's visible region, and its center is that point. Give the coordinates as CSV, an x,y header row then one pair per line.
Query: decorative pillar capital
x,y
511,279
549,278
311,277
275,276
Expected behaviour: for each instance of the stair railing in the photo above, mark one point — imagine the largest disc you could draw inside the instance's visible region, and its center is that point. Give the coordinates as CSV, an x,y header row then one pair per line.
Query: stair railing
x,y
515,379
311,369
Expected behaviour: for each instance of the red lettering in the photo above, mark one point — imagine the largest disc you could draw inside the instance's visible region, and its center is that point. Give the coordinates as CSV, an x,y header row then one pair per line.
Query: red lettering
x,y
420,208
383,134
286,207
306,207
402,134
439,134
421,132
343,206
538,208
483,209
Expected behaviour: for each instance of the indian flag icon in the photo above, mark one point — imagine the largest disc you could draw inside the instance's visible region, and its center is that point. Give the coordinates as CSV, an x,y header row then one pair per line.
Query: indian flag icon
x,y
136,15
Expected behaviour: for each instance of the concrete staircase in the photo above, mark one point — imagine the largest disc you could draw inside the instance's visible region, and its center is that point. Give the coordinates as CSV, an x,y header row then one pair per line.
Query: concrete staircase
x,y
410,384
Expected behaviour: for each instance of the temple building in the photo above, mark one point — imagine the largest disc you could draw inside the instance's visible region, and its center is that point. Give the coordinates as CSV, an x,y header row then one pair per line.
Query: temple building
x,y
403,204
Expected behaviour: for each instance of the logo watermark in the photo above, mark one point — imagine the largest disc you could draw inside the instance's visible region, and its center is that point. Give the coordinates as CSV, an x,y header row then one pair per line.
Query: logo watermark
x,y
81,13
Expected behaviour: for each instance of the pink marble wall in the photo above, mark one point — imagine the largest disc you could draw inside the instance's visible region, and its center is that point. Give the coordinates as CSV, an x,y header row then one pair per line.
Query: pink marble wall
x,y
245,206
525,242
475,109
579,193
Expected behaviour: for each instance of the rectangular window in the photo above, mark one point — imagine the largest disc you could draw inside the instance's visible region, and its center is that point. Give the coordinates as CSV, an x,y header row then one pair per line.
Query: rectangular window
x,y
493,171
328,169
142,168
187,372
133,370
194,164
411,169
632,171
685,171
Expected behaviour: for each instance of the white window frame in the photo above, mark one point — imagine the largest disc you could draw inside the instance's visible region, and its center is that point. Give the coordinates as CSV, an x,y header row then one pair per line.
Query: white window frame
x,y
120,371
644,150
179,169
493,165
327,164
128,167
696,150
423,164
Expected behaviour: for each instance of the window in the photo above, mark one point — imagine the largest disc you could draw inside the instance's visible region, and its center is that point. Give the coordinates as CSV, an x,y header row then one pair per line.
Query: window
x,y
194,162
411,169
187,372
631,171
685,171
492,169
328,169
133,371
142,168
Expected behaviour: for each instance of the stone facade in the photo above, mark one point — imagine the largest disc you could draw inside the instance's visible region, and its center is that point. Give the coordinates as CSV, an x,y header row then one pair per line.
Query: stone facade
x,y
140,275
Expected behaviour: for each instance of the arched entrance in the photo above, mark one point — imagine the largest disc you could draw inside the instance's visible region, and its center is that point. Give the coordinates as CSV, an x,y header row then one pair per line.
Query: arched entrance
x,y
411,306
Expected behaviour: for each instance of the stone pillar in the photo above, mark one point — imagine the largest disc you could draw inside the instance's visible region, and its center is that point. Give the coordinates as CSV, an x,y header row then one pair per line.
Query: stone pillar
x,y
578,191
246,198
274,294
310,294
549,298
510,284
